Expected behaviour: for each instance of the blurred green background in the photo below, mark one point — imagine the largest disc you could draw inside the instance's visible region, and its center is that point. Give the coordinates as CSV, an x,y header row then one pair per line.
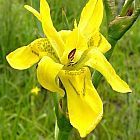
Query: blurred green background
x,y
24,116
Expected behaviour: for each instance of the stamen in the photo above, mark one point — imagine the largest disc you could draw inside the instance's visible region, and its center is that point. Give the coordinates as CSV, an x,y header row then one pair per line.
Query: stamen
x,y
71,54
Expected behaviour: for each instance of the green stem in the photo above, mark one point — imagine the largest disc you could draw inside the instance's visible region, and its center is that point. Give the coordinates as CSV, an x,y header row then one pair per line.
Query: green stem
x,y
63,124
62,135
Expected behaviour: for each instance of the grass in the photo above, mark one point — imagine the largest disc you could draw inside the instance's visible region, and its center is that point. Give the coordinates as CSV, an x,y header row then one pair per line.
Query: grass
x,y
24,116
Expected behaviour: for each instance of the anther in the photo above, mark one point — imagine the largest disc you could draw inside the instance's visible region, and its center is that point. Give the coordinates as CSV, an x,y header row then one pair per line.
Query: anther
x,y
71,54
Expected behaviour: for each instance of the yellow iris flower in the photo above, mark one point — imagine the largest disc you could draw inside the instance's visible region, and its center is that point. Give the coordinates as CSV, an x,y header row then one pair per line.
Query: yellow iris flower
x,y
65,56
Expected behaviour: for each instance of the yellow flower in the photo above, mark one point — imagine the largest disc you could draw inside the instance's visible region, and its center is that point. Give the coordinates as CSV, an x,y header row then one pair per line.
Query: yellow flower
x,y
35,90
65,56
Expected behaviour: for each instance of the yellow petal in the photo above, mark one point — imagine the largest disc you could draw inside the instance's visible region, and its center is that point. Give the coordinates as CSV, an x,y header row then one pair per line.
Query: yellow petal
x,y
98,61
99,41
47,72
91,18
64,34
49,30
33,11
22,58
42,47
85,107
25,57
74,41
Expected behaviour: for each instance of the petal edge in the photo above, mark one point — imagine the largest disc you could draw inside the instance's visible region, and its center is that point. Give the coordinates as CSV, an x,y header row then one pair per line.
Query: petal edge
x,y
47,73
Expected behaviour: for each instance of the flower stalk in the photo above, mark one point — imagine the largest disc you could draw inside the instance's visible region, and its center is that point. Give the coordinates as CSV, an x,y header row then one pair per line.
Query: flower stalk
x,y
63,125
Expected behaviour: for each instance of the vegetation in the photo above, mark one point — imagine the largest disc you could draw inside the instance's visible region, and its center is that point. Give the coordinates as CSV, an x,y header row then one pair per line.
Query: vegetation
x,y
25,116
